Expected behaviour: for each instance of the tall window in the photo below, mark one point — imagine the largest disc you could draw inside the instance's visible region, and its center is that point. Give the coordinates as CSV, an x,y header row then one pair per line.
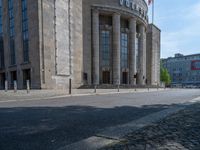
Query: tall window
x,y
105,47
1,38
124,50
25,31
12,32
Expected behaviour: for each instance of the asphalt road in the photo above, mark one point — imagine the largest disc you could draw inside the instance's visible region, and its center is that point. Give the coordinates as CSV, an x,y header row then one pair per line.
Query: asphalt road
x,y
51,124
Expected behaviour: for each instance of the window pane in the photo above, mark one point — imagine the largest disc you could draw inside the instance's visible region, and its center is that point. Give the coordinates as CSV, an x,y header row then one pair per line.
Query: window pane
x,y
105,47
25,31
124,50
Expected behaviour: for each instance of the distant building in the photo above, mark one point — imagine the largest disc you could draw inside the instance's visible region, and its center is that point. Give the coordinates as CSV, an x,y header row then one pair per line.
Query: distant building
x,y
184,70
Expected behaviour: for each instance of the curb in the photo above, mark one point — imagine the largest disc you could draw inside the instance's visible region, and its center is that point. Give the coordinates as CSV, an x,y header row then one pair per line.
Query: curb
x,y
78,95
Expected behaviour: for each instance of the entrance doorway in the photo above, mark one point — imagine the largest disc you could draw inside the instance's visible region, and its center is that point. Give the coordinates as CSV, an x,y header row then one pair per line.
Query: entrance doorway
x,y
26,76
125,78
13,77
2,81
106,77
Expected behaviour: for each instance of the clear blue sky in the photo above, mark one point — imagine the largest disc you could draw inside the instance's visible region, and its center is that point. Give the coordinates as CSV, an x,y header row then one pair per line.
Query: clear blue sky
x,y
179,21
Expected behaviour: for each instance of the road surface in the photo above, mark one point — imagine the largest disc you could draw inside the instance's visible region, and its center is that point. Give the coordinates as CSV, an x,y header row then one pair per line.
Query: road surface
x,y
51,124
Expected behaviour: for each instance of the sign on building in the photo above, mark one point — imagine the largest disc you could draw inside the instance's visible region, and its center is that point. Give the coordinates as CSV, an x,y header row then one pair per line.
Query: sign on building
x,y
195,65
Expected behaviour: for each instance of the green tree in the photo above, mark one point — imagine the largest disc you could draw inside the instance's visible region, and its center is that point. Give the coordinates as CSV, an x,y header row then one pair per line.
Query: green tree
x,y
165,76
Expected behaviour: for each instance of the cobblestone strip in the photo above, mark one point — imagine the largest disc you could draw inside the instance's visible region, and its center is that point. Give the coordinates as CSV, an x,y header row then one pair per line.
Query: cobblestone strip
x,y
114,135
91,143
180,131
119,131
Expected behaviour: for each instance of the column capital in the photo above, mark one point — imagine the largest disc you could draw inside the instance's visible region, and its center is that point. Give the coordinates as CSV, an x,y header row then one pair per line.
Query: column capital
x,y
96,11
133,19
116,14
142,27
132,25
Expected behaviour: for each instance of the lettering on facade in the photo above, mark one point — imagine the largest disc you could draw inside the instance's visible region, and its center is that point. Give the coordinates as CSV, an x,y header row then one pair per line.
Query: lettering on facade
x,y
133,6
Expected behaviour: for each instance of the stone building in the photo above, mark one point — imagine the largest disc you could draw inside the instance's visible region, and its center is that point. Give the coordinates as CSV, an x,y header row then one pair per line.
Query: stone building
x,y
91,42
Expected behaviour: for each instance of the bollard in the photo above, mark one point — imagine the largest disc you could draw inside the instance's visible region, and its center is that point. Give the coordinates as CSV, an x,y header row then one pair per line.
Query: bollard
x,y
70,86
95,88
28,86
148,88
6,86
15,86
118,88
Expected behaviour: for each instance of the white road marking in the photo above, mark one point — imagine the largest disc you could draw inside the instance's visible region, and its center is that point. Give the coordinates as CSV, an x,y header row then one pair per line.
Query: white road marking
x,y
195,100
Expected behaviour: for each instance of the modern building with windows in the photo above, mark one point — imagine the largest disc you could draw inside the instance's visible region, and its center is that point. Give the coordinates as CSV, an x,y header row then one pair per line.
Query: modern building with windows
x,y
184,70
92,42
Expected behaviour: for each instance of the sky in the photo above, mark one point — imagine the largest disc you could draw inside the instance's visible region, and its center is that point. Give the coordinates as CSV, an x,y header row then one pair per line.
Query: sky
x,y
179,21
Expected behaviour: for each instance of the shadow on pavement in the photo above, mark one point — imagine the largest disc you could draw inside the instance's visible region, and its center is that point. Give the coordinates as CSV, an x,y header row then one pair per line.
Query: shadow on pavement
x,y
49,128
180,131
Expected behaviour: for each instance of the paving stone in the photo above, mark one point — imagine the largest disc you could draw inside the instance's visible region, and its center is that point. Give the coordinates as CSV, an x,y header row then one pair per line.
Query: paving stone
x,y
180,131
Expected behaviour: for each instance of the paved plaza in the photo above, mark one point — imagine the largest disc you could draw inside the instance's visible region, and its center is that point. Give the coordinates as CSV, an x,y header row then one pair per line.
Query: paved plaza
x,y
155,119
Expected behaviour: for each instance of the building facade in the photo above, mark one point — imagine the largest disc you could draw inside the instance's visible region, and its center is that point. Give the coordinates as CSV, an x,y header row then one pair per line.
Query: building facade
x,y
184,70
91,42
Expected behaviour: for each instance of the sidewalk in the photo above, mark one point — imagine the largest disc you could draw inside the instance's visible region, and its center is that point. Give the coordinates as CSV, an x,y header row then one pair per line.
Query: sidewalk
x,y
50,94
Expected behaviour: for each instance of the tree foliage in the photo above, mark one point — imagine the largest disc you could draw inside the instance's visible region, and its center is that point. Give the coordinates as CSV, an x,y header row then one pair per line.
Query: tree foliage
x,y
165,76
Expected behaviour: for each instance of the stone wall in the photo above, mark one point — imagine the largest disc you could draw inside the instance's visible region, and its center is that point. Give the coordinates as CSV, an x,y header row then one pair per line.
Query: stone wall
x,y
153,55
61,43
33,30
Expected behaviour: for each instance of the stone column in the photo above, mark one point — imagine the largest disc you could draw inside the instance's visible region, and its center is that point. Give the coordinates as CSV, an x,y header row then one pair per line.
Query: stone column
x,y
142,56
95,40
116,49
132,51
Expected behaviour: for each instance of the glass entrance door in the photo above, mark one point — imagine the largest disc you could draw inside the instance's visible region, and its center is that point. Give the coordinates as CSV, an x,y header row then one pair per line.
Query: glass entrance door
x,y
26,76
125,78
2,81
13,77
106,77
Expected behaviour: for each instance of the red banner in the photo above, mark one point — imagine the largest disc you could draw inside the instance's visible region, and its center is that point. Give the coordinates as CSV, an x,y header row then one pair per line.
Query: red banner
x,y
195,65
